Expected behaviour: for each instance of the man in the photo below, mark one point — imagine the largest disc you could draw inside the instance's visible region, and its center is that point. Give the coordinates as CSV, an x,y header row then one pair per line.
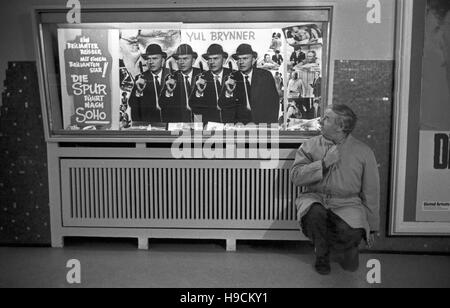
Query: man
x,y
317,85
277,58
267,63
279,84
296,87
297,56
179,89
210,85
145,99
341,204
311,57
252,92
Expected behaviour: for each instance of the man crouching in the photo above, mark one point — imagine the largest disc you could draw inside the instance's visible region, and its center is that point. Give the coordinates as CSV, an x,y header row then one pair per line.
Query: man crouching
x,y
340,206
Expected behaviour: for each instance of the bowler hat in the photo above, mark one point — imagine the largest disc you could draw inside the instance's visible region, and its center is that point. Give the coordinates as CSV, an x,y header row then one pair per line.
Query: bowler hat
x,y
153,49
214,49
244,49
183,50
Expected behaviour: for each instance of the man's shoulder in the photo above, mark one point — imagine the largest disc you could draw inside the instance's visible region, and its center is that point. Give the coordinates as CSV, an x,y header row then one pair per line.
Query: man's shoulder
x,y
361,146
263,72
196,71
312,142
227,71
265,77
147,74
208,75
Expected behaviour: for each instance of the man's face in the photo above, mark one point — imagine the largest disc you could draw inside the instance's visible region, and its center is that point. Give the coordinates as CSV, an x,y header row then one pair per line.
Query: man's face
x,y
303,34
185,63
310,58
215,63
155,63
328,123
245,63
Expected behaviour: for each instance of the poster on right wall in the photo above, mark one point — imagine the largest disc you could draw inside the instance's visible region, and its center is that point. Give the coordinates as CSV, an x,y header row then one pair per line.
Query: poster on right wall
x,y
433,187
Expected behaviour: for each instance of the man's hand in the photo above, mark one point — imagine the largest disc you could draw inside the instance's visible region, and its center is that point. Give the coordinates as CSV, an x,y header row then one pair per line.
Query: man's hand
x,y
171,85
332,157
201,85
230,85
141,83
371,240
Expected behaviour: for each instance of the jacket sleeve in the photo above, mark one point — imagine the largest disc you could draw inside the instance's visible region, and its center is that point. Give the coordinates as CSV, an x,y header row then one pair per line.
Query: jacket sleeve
x,y
165,101
134,101
229,102
272,98
305,171
370,193
198,104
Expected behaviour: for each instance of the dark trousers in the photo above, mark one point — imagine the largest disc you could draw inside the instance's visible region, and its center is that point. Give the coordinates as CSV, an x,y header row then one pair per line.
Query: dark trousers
x,y
328,231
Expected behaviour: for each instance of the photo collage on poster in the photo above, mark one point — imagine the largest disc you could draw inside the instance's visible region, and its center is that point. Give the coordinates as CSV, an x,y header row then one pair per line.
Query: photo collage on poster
x,y
204,77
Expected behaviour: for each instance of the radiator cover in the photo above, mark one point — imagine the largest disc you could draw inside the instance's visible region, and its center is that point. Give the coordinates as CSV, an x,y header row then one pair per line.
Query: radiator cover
x,y
149,193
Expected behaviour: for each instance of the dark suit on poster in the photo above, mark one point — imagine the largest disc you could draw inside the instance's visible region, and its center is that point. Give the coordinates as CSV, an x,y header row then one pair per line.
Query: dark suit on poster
x,y
208,105
278,59
297,58
175,107
144,108
264,99
305,105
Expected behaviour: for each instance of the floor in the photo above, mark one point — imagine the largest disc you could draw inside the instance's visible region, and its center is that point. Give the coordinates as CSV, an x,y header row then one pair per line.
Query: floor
x,y
206,264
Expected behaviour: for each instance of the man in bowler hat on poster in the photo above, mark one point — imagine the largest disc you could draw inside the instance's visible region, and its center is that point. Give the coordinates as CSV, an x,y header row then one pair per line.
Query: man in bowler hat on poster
x,y
210,87
179,89
251,92
145,99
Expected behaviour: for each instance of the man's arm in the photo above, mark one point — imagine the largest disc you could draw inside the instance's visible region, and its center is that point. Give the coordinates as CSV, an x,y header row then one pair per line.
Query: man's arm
x,y
167,99
199,102
134,101
370,193
305,171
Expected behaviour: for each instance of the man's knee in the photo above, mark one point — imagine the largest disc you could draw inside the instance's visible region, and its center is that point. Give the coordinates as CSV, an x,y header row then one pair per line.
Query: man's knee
x,y
317,211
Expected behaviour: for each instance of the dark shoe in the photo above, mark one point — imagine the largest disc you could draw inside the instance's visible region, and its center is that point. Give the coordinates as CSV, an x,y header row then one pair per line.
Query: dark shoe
x,y
349,259
322,265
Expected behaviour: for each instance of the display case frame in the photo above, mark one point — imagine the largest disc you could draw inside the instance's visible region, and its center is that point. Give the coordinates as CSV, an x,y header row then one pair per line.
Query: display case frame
x,y
48,17
404,168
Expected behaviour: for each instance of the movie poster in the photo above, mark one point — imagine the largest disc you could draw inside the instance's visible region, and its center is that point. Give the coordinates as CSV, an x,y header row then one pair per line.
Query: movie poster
x,y
89,74
166,76
433,187
290,99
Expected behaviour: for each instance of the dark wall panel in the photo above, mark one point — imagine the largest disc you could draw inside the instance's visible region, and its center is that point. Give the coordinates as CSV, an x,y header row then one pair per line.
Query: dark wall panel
x,y
24,210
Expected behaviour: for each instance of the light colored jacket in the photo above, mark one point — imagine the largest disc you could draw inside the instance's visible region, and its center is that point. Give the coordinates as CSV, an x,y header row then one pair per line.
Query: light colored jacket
x,y
350,188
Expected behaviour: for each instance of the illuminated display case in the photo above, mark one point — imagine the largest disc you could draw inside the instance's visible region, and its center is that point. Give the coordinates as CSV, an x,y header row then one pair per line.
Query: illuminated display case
x,y
130,157
98,82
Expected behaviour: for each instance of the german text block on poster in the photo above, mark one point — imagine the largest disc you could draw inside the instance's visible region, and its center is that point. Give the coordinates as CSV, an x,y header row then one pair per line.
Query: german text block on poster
x,y
87,69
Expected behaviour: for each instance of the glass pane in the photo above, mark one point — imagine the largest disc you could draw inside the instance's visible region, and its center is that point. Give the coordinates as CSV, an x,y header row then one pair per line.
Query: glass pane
x,y
202,76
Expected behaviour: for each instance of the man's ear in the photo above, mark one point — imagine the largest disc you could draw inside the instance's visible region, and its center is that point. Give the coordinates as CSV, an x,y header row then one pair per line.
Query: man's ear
x,y
340,127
